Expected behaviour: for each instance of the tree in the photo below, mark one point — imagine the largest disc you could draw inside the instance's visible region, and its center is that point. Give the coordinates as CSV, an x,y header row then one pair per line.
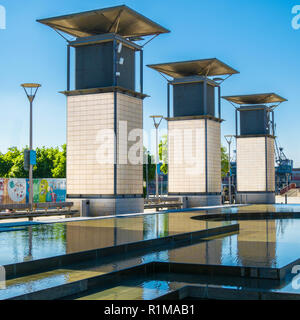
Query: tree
x,y
163,153
44,162
12,164
224,162
51,163
151,165
60,163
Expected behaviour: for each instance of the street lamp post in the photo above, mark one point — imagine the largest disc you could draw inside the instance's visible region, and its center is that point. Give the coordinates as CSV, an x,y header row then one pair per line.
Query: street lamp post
x,y
156,125
30,90
229,140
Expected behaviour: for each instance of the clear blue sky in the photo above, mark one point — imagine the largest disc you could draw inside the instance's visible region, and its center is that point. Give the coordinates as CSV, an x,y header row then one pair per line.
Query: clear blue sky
x,y
255,37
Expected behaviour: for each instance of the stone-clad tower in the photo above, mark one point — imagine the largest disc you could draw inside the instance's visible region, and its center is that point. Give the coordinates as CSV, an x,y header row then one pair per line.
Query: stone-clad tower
x,y
255,155
105,110
194,137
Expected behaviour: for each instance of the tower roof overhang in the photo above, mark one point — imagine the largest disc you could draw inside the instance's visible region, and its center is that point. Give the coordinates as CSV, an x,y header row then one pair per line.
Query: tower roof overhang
x,y
203,67
255,99
121,20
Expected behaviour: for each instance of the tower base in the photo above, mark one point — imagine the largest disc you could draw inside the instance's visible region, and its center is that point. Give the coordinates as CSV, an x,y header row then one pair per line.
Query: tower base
x,y
108,206
194,201
255,198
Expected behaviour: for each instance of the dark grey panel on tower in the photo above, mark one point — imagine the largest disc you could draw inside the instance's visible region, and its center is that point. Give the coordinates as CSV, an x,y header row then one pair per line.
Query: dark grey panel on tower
x,y
256,113
194,85
127,69
94,67
254,121
189,99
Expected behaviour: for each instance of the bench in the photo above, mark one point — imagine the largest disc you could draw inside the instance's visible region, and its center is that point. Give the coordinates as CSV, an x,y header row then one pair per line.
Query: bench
x,y
162,199
23,210
163,202
51,205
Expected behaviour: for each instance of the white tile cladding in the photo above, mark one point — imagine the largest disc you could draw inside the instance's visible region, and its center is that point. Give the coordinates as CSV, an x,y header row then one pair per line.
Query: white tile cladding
x,y
251,164
186,156
90,144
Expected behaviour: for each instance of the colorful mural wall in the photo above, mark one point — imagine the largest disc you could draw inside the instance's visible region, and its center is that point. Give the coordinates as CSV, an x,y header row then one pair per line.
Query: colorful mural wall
x,y
44,190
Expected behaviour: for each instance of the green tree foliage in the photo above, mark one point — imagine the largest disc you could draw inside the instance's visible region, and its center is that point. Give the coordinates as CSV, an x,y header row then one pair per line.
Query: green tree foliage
x,y
163,153
224,162
12,163
51,163
60,163
151,165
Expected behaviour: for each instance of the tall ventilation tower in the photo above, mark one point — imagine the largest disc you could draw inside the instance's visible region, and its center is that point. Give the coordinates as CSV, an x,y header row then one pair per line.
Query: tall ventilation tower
x,y
105,109
194,138
255,154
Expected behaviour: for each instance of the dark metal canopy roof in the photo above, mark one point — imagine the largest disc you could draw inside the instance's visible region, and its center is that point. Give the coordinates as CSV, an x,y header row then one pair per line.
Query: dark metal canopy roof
x,y
121,20
203,67
261,98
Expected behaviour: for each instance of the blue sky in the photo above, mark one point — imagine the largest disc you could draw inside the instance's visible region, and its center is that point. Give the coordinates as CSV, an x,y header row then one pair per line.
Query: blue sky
x,y
255,37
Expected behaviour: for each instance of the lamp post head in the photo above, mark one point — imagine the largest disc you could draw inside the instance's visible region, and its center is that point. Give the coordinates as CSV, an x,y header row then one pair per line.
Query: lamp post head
x,y
156,124
30,90
31,85
228,138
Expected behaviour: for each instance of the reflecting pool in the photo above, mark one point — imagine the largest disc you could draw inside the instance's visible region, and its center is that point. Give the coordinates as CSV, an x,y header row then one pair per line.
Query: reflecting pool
x,y
45,240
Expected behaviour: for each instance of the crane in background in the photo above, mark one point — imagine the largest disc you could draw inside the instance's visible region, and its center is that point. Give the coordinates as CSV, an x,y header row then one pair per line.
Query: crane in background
x,y
284,168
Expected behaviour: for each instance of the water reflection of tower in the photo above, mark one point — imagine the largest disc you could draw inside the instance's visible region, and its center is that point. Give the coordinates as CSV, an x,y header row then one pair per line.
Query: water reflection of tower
x,y
257,242
207,252
85,235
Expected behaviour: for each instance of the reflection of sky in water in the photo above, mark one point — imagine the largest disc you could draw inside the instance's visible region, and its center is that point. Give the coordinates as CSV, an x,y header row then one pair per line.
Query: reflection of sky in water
x,y
156,256
229,250
35,241
154,288
33,285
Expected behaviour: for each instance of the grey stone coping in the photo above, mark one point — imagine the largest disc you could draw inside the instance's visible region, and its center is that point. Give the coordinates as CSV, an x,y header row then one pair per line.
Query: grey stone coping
x,y
224,270
248,216
222,293
11,229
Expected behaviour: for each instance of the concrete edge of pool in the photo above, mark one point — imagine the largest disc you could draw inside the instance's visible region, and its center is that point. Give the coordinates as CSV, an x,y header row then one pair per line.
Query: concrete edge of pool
x,y
39,265
248,216
213,292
